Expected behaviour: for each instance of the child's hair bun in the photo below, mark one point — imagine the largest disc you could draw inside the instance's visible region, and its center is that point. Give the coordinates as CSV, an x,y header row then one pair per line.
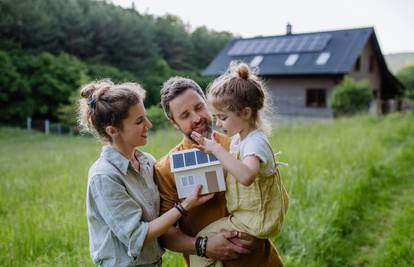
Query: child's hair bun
x,y
243,71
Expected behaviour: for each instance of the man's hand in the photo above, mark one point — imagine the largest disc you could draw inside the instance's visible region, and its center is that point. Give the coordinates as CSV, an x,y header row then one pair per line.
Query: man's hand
x,y
245,240
219,246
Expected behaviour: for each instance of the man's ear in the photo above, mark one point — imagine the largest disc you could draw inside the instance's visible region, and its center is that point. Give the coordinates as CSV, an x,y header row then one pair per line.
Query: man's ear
x,y
111,131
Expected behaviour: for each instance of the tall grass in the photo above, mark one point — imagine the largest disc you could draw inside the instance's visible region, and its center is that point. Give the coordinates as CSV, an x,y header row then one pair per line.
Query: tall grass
x,y
342,176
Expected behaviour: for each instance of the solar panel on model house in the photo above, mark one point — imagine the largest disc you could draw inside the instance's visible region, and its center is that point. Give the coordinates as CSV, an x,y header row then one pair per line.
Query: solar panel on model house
x,y
191,158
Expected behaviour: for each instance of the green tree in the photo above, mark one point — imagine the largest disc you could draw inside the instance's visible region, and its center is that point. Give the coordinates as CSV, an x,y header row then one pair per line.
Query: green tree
x,y
206,45
174,41
406,76
15,95
51,79
351,97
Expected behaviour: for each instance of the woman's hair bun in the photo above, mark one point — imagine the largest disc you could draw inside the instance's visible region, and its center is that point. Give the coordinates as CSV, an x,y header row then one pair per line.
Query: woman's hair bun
x,y
91,88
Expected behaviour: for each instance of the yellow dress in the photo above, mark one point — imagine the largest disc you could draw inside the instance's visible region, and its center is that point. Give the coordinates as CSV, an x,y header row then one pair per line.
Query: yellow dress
x,y
258,209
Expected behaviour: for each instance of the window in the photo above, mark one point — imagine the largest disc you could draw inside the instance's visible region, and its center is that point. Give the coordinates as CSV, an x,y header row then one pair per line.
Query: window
x,y
291,60
256,61
187,180
358,64
323,58
371,63
316,98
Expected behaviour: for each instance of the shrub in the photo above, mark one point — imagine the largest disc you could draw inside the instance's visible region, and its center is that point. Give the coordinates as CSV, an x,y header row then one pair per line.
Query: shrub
x,y
157,118
351,97
406,76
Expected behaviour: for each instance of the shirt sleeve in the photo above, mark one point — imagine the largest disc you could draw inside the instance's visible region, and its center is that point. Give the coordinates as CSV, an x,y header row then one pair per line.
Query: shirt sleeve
x,y
166,185
256,147
121,213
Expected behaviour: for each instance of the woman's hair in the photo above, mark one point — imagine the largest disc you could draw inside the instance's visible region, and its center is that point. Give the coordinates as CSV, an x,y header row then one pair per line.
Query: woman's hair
x,y
104,103
237,89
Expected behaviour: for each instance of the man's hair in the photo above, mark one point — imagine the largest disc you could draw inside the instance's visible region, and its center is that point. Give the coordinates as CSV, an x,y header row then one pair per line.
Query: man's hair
x,y
174,87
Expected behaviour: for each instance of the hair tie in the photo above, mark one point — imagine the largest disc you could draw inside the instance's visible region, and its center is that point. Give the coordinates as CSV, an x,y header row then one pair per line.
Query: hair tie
x,y
92,102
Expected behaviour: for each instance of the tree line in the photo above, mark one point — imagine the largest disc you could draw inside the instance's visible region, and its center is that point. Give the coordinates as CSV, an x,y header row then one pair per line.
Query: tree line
x,y
48,48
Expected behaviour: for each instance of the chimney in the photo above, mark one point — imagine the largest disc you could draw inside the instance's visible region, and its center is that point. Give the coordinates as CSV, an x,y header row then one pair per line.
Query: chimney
x,y
288,28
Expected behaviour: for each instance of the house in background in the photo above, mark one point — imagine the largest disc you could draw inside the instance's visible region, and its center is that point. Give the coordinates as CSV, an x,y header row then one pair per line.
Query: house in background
x,y
301,70
192,167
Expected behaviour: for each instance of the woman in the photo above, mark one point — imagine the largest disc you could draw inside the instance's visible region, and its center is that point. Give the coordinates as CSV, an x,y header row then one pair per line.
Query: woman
x,y
122,198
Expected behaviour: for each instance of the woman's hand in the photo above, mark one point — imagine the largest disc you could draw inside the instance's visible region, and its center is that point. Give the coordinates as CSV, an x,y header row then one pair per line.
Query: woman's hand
x,y
206,145
196,199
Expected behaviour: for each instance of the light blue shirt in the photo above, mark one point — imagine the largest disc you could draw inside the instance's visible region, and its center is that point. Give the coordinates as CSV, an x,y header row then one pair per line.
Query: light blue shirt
x,y
120,203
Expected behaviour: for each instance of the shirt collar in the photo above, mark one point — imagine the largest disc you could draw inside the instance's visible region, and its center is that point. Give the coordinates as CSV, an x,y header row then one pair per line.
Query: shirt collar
x,y
117,159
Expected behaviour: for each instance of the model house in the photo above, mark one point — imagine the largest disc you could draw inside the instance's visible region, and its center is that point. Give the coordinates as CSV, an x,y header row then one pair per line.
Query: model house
x,y
302,70
192,167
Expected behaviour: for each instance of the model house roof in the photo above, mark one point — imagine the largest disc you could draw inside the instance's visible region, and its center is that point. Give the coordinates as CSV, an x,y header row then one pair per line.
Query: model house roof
x,y
191,159
328,52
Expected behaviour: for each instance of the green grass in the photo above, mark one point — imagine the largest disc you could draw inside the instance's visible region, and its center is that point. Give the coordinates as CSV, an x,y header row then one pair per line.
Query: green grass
x,y
351,186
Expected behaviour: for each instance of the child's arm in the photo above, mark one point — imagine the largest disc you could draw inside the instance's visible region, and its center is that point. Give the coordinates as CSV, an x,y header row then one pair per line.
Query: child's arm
x,y
160,225
244,171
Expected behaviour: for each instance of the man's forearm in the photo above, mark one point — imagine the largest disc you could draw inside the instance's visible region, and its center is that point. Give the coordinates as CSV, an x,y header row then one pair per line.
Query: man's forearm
x,y
174,239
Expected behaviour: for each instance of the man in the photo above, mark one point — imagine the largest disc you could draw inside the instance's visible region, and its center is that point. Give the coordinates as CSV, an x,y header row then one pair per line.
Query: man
x,y
185,106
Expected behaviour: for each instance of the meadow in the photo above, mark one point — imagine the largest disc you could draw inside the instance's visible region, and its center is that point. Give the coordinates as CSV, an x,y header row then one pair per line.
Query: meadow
x,y
350,181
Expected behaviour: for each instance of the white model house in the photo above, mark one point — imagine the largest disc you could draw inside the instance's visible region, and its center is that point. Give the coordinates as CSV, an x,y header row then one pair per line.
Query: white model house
x,y
192,167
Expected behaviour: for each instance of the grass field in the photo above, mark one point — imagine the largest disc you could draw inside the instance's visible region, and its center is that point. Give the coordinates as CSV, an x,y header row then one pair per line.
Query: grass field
x,y
351,186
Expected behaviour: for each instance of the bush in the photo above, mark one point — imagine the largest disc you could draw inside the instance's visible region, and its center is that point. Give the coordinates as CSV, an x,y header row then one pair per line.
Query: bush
x,y
157,118
351,97
406,76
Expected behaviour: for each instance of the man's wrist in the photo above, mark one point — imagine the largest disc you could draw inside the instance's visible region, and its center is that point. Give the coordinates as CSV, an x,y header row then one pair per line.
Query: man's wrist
x,y
201,246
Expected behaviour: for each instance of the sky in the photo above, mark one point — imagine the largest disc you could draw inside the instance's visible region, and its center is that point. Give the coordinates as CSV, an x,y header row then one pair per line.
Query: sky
x,y
393,20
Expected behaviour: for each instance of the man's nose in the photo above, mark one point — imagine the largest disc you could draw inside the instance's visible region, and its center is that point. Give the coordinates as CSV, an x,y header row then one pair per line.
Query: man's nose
x,y
196,117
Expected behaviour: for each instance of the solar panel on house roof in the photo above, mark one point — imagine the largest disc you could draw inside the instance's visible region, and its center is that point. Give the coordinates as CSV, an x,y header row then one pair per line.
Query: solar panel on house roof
x,y
275,45
201,157
178,160
191,158
212,157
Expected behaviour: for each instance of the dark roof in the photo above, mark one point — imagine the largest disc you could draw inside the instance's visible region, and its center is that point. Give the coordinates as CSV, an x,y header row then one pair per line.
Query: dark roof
x,y
344,47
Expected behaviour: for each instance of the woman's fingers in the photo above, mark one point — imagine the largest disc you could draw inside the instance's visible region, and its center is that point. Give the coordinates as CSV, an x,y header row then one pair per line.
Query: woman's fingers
x,y
197,190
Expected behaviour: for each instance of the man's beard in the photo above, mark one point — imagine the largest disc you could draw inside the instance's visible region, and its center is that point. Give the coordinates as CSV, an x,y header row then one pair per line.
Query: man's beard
x,y
206,132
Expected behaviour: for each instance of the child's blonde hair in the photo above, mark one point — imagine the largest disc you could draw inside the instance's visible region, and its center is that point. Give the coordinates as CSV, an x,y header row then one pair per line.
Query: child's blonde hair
x,y
237,89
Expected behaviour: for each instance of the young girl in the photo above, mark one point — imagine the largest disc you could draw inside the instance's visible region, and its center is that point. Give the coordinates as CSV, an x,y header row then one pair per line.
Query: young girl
x,y
256,199
122,202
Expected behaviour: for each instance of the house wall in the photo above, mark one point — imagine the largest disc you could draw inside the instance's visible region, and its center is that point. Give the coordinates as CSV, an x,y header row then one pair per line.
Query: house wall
x,y
288,95
199,178
374,77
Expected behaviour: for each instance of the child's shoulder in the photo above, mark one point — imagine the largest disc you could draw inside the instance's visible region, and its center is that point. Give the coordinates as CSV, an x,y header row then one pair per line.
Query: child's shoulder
x,y
257,136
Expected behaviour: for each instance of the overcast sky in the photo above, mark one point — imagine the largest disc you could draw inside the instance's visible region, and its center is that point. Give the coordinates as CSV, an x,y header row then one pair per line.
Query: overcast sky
x,y
393,20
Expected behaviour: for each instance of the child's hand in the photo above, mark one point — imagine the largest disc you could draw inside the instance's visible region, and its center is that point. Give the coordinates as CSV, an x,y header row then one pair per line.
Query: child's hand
x,y
206,145
196,199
